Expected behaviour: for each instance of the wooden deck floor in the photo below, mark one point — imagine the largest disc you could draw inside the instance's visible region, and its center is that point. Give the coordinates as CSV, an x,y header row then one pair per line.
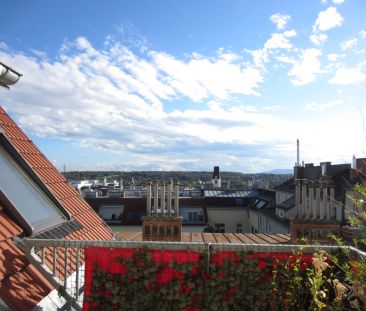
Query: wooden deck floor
x,y
248,238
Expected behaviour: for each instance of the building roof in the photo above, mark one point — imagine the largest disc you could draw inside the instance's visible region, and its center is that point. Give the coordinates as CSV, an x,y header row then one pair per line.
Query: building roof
x,y
287,186
287,204
247,238
226,193
21,285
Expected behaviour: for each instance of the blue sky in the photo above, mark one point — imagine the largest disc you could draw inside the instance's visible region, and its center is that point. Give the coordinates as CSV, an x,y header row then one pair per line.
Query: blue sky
x,y
186,85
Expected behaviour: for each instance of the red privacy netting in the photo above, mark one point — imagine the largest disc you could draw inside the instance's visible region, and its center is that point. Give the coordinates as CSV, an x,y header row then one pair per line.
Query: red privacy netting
x,y
111,262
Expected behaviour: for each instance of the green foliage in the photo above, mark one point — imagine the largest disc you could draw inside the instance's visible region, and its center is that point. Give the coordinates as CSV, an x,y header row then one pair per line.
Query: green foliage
x,y
242,283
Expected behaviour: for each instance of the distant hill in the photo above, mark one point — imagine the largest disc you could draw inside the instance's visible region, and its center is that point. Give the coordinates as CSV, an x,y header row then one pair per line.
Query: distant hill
x,y
281,171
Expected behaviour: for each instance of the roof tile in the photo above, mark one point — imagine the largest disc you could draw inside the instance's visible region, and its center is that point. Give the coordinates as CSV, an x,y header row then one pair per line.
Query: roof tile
x,y
21,285
24,289
8,228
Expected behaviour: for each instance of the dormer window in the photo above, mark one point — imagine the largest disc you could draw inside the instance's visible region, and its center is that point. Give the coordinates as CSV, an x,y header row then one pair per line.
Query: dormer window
x,y
25,199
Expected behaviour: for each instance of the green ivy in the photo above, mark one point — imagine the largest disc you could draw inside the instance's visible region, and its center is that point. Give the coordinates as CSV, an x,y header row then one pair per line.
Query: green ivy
x,y
239,284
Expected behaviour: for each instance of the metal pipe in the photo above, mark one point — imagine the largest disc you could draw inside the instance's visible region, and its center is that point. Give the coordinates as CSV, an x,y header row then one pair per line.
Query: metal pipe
x,y
162,204
156,198
54,261
77,273
170,198
42,255
148,200
66,263
176,200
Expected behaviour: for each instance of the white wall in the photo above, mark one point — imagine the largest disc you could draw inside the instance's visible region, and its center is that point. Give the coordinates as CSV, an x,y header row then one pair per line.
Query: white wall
x,y
269,225
184,212
230,216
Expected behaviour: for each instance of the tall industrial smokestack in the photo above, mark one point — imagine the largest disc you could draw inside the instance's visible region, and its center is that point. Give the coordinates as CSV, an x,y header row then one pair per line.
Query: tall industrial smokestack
x,y
298,152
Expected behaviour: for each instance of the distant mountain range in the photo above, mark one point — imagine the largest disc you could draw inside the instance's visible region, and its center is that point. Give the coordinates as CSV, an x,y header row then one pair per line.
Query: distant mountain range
x,y
281,171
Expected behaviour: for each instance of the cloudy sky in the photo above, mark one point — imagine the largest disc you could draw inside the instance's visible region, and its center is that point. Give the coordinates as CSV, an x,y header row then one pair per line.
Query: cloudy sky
x,y
186,85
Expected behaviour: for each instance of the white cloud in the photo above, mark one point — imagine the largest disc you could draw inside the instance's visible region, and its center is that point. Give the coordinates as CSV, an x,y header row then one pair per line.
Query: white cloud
x,y
347,76
338,1
278,41
328,19
280,20
199,79
318,38
362,34
333,57
304,71
118,101
322,107
113,99
345,45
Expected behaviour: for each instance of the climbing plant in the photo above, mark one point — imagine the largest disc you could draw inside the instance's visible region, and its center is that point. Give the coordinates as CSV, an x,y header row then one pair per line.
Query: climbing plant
x,y
225,281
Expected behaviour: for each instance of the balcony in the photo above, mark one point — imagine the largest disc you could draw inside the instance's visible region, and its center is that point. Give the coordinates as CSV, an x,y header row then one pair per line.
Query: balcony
x,y
187,275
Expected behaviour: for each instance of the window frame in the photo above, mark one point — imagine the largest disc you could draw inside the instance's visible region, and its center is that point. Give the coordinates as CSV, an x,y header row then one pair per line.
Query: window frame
x,y
22,168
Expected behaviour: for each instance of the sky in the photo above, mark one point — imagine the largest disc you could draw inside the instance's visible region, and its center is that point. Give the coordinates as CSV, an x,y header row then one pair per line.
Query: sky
x,y
186,85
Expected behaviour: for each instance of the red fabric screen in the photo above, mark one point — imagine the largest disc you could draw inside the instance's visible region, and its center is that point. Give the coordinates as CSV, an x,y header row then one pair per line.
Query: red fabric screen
x,y
105,259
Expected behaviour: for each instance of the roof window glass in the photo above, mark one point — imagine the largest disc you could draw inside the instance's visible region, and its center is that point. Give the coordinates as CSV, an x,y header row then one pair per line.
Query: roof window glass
x,y
28,200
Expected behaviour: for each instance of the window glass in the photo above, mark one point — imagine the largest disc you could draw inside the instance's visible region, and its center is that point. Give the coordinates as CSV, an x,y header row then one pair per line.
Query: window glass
x,y
130,216
220,228
239,228
26,197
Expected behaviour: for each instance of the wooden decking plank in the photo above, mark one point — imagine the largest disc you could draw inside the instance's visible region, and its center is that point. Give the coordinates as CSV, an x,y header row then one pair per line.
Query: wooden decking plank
x,y
220,238
197,237
137,236
268,238
208,237
186,237
255,238
278,238
244,239
123,235
232,238
285,236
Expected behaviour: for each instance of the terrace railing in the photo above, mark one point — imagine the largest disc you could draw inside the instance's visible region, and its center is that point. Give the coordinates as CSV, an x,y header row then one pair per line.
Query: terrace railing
x,y
62,261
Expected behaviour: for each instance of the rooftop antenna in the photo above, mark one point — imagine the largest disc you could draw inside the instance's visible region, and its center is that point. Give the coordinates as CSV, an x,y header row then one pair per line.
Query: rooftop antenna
x,y
298,152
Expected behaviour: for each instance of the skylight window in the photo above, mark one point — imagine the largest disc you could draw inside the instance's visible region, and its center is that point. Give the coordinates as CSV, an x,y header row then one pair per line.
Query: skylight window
x,y
26,199
261,204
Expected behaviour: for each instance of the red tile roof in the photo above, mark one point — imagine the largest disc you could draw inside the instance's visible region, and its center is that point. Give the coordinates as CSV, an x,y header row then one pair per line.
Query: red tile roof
x,y
21,285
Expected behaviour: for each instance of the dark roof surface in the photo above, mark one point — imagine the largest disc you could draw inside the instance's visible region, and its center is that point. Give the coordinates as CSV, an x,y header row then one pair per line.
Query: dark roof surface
x,y
288,204
287,186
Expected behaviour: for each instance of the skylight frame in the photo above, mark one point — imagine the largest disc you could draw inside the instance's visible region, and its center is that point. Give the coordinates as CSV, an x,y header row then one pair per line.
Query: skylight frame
x,y
31,182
